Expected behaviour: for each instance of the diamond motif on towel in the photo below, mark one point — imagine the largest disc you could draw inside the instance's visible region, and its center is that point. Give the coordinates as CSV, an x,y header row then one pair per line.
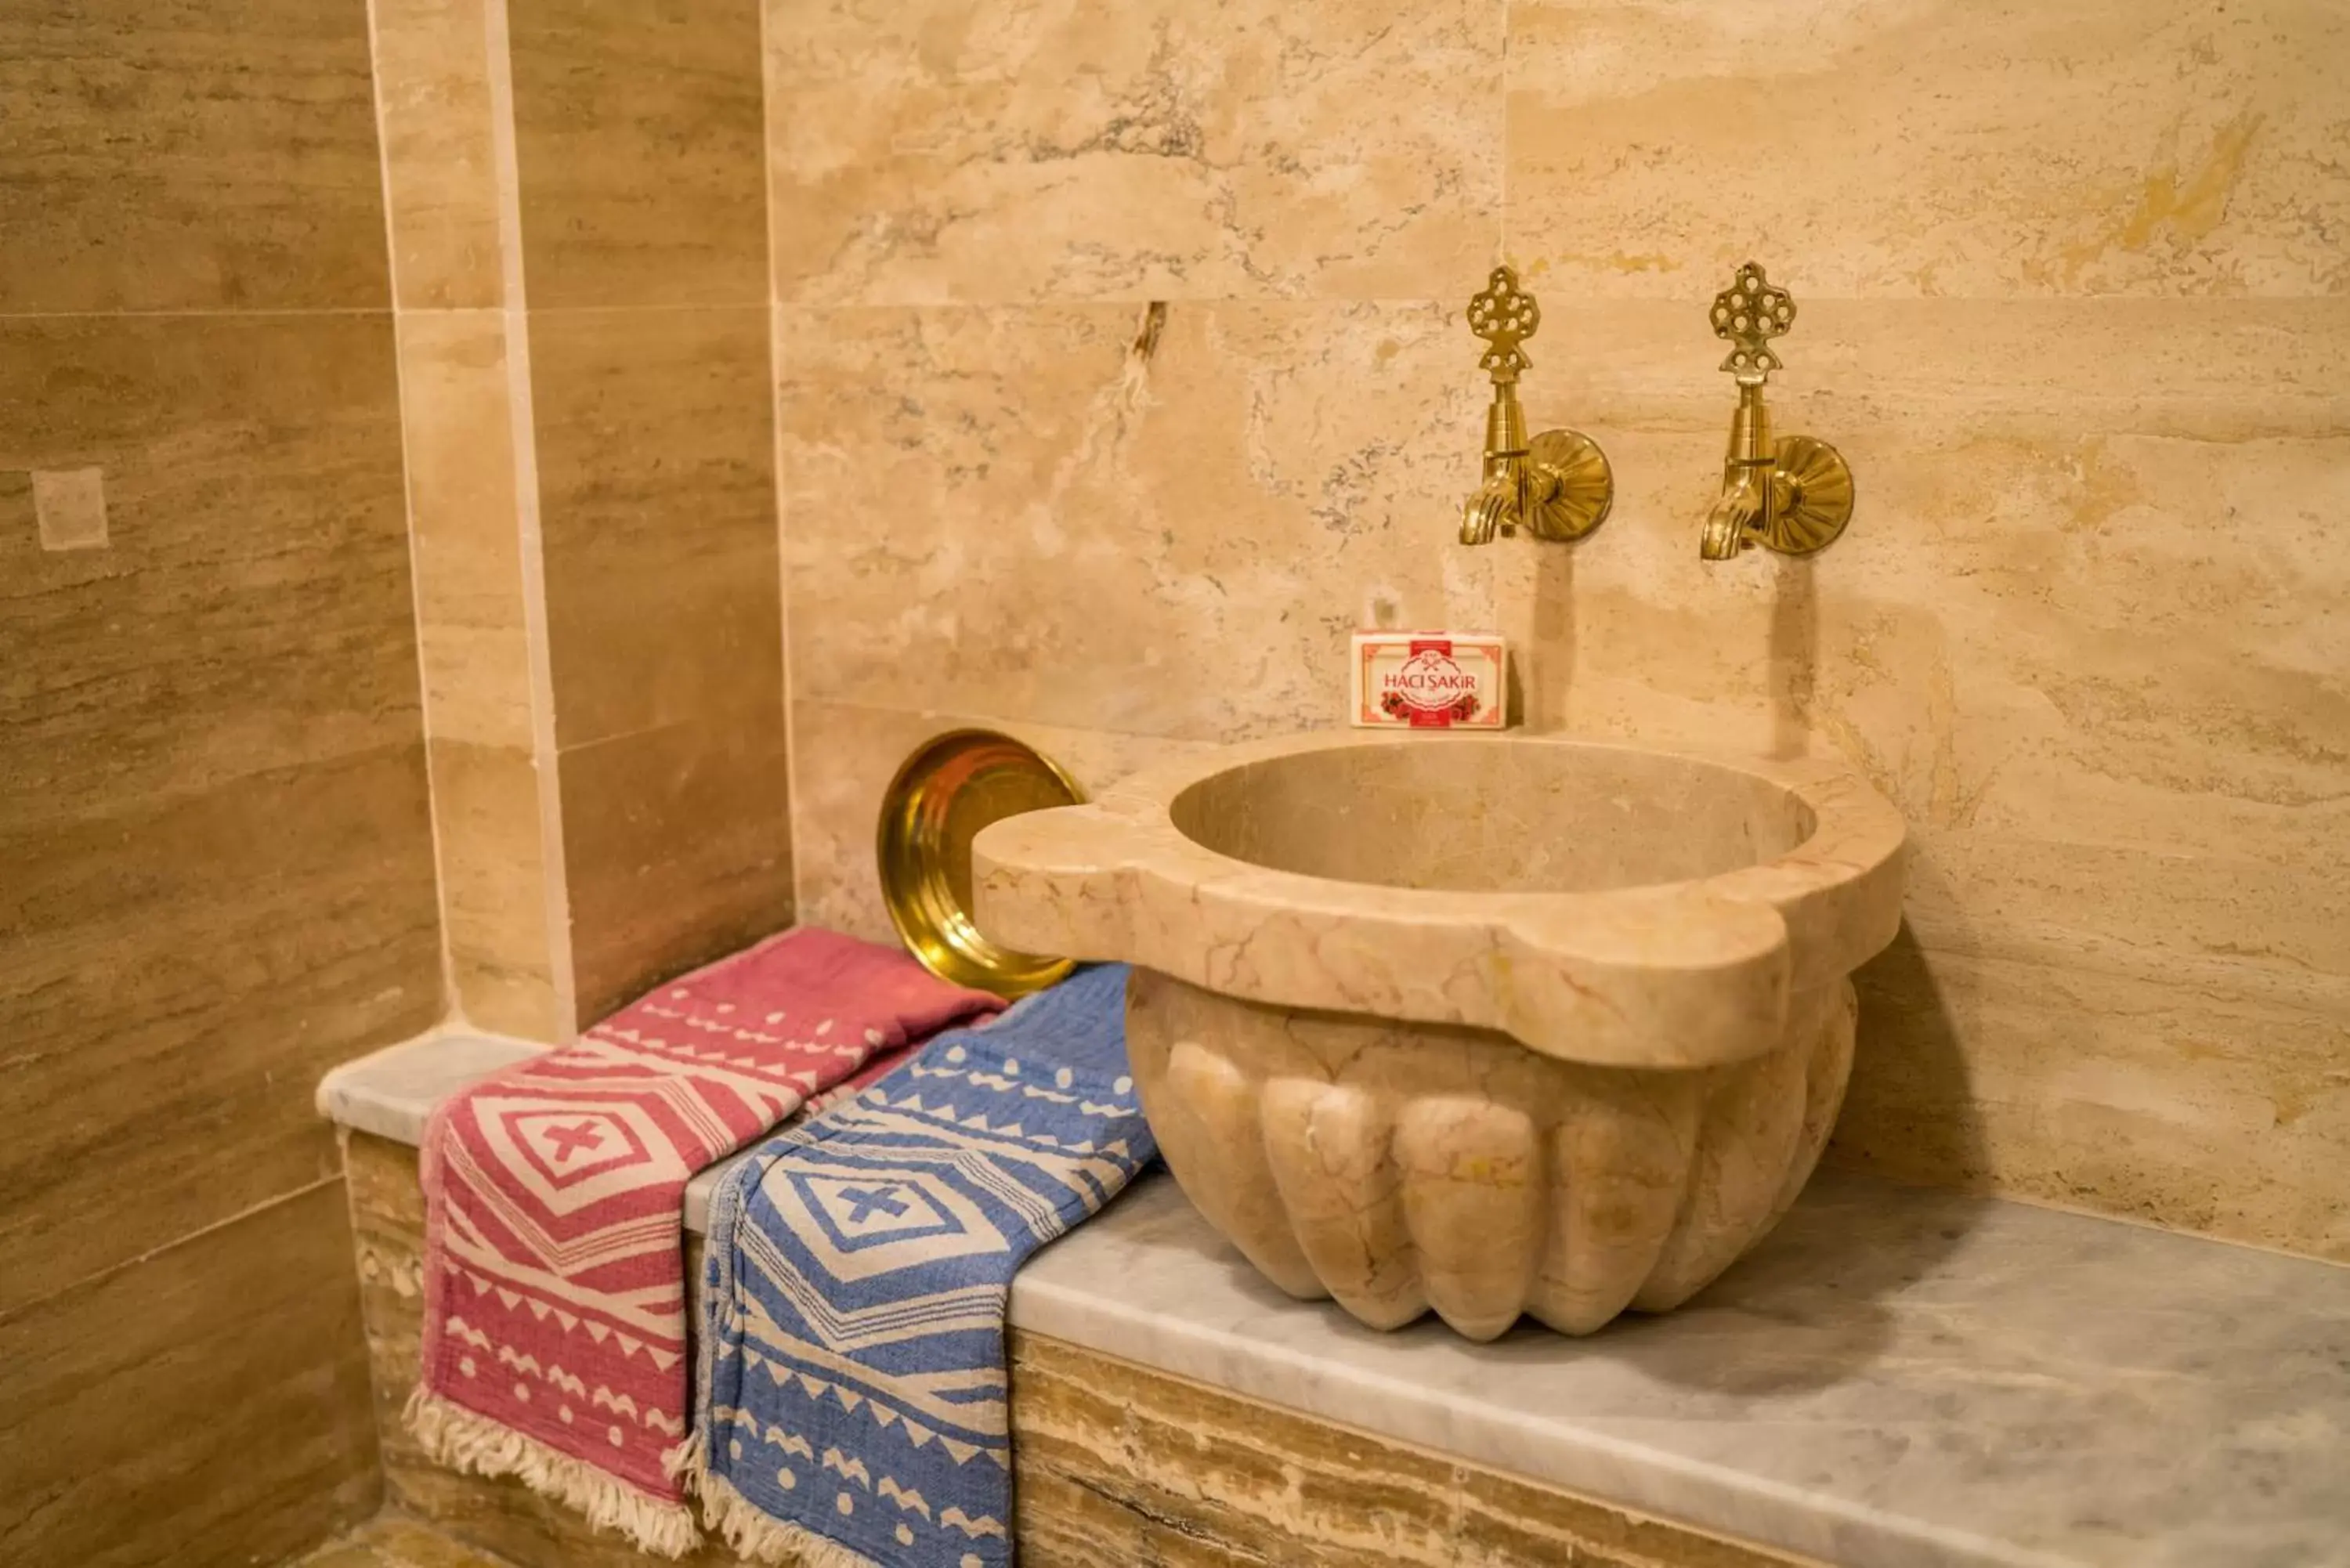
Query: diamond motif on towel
x,y
572,1144
860,1213
864,1223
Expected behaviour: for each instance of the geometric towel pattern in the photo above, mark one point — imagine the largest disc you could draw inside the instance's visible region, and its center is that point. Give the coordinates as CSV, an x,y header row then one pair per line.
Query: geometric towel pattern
x,y
555,1332
854,1403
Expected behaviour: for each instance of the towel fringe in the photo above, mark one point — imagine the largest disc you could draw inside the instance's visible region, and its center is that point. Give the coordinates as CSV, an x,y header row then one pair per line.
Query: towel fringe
x,y
749,1531
464,1440
686,1460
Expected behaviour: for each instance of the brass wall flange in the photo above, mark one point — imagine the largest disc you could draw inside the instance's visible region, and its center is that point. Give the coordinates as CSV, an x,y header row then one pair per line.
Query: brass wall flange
x,y
1793,494
1557,485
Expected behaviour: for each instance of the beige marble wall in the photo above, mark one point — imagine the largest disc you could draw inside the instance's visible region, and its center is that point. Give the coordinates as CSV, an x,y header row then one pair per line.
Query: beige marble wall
x,y
580,242
217,863
2074,304
444,98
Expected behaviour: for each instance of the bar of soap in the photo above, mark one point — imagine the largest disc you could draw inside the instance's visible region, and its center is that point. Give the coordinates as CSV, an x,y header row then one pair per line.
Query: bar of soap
x,y
1428,680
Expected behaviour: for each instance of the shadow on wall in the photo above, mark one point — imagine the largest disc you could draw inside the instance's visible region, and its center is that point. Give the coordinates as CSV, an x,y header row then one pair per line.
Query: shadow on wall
x,y
1541,664
1543,653
1794,654
1825,1277
1910,1111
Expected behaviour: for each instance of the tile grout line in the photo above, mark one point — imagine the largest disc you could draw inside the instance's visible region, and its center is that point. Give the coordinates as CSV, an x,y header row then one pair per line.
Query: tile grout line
x,y
523,428
452,1001
1960,307
197,313
960,716
1501,207
775,461
151,1253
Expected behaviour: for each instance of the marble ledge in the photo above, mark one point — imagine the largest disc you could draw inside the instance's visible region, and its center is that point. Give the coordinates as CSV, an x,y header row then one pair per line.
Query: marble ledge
x,y
1897,1378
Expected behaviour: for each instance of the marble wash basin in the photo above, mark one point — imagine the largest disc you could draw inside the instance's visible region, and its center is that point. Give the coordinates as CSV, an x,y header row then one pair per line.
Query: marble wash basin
x,y
1489,1025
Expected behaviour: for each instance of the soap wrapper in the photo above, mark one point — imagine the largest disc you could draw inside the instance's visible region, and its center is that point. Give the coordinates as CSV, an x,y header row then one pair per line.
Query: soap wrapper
x,y
1428,680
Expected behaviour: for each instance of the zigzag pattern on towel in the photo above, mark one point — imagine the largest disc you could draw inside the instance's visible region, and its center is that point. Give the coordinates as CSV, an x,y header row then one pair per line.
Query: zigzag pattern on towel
x,y
904,1497
860,1328
853,1471
554,1185
748,1424
556,1376
861,1263
974,1528
987,1438
1027,1090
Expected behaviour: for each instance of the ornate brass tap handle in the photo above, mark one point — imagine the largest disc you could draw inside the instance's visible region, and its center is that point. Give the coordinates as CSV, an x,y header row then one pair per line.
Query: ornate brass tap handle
x,y
1793,494
1558,484
1747,315
1504,316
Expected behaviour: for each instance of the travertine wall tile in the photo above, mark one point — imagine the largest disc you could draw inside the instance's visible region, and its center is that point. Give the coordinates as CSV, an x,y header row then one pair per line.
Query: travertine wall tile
x,y
214,804
612,579
214,807
657,506
440,163
495,905
252,470
2213,369
943,151
638,137
2201,1100
1931,147
473,507
2087,632
456,389
1037,518
179,972
206,1406
677,849
188,155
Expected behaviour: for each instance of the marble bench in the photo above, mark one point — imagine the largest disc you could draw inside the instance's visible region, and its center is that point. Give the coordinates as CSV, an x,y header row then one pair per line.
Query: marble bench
x,y
1897,1378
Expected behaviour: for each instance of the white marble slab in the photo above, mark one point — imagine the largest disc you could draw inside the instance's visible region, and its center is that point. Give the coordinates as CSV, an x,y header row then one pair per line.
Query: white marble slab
x,y
1898,1378
391,1091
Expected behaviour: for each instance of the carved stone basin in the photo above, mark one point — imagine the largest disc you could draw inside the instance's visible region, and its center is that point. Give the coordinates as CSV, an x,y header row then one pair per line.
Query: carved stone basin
x,y
1487,1025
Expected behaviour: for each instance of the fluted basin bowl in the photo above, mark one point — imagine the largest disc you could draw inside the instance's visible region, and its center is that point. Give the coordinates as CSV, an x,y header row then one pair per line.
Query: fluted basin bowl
x,y
1484,1026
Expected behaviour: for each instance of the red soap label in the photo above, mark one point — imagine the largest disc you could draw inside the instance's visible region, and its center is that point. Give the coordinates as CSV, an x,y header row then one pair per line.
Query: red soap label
x,y
1426,681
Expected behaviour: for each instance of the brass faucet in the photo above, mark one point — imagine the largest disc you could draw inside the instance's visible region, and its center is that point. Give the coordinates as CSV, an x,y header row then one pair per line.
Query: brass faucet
x,y
1557,485
1795,495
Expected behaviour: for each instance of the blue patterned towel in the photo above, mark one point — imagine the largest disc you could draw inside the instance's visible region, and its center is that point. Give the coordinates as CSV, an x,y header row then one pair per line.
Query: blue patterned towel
x,y
853,1406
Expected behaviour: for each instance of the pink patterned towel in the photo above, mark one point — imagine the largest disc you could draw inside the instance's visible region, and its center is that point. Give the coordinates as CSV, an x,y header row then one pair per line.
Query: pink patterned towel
x,y
555,1262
